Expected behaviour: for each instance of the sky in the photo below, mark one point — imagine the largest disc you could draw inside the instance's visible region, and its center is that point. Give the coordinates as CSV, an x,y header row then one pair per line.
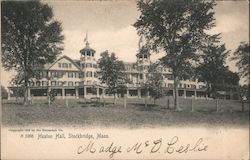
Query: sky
x,y
109,27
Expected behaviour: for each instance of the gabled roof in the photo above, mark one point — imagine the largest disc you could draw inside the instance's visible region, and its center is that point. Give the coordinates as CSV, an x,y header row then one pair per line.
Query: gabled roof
x,y
143,51
87,48
69,59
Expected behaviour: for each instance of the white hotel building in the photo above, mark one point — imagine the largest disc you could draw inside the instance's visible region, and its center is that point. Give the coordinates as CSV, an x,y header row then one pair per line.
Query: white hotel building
x,y
79,79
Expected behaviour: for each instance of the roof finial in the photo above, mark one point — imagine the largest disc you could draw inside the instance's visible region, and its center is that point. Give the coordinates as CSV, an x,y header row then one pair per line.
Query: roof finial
x,y
140,42
86,38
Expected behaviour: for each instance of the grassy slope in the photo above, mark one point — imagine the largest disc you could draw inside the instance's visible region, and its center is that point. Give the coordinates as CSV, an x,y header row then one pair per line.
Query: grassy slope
x,y
134,116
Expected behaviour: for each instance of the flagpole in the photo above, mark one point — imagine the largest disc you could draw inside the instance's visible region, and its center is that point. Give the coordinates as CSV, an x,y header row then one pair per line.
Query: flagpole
x,y
86,37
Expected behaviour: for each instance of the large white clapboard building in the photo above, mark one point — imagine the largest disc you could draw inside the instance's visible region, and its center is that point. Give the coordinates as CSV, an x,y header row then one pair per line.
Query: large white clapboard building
x,y
71,78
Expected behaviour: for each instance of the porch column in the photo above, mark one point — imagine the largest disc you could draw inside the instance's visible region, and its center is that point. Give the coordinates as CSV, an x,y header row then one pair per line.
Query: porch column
x,y
8,94
103,92
139,92
127,92
77,93
173,93
85,91
28,92
63,93
195,94
185,93
97,91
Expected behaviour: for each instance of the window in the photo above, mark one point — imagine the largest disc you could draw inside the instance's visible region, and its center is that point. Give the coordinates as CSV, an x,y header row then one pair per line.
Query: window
x,y
201,86
60,74
31,83
170,85
38,83
70,83
94,66
65,65
53,74
88,65
70,66
141,76
193,86
81,74
53,83
76,75
83,65
88,82
169,76
88,74
43,74
60,83
70,74
185,85
40,74
60,65
44,83
180,85
95,74
88,53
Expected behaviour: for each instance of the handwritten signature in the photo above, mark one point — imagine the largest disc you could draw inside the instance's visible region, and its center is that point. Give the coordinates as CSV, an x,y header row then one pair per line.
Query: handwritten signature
x,y
173,146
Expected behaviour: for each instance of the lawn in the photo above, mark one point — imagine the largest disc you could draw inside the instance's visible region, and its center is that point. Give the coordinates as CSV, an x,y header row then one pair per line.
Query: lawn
x,y
135,115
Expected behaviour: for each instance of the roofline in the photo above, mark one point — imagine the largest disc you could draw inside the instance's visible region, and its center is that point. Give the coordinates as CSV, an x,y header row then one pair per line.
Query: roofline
x,y
67,59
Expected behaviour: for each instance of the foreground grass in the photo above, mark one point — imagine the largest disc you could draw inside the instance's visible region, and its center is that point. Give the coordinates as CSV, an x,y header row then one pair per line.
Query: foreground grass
x,y
135,115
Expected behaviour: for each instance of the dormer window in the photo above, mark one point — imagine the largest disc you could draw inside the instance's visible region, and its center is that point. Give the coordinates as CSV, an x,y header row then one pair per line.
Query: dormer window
x,y
88,53
65,65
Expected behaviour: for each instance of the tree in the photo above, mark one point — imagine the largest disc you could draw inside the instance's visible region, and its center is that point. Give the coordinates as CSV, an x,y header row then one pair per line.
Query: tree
x,y
111,72
244,95
30,38
241,56
4,93
178,29
212,68
154,82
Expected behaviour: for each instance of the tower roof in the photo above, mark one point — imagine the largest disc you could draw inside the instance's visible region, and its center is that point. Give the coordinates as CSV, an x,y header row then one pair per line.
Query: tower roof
x,y
87,47
143,51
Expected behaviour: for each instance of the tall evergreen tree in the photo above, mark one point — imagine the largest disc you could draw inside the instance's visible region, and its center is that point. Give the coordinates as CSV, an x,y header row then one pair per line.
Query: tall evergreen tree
x,y
178,29
154,83
112,72
242,58
30,38
212,68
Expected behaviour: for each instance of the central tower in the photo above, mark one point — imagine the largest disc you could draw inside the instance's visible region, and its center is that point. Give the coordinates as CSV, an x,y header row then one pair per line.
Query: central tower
x,y
88,64
143,62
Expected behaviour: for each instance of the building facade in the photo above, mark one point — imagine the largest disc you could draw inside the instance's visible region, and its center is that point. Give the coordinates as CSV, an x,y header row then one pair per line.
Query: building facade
x,y
79,79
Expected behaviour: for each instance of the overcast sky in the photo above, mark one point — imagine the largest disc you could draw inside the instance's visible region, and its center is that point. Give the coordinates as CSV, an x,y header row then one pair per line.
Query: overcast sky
x,y
109,25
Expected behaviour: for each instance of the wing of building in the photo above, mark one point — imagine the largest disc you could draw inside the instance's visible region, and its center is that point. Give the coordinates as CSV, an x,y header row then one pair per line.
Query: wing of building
x,y
79,79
